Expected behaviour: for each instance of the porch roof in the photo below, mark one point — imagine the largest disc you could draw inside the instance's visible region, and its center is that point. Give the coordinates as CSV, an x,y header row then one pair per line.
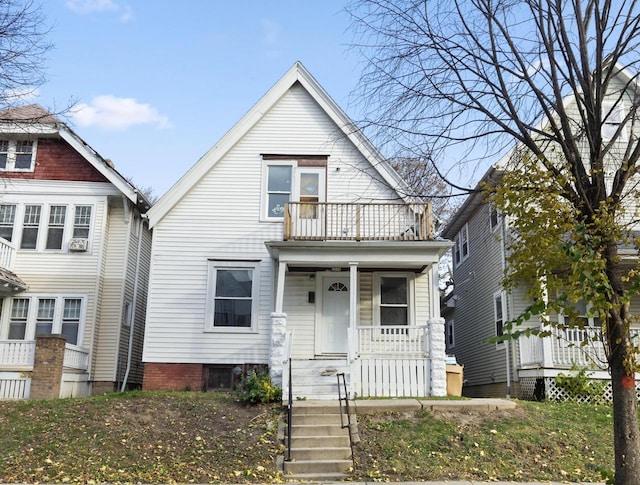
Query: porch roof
x,y
10,283
384,255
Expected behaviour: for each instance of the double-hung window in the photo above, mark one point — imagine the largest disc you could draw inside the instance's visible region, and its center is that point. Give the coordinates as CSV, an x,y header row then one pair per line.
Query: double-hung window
x,y
461,245
46,314
82,221
55,231
613,115
279,189
17,155
232,303
30,227
393,299
7,220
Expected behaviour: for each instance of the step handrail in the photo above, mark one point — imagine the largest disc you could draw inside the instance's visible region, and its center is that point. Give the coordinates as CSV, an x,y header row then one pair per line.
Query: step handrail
x,y
341,388
287,348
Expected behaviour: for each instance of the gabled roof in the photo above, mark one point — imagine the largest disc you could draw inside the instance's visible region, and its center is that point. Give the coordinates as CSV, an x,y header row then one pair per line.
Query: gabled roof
x,y
297,74
34,119
495,172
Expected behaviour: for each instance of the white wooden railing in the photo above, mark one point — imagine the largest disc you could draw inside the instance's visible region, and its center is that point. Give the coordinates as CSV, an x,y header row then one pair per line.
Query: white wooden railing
x,y
563,349
17,353
357,221
397,340
76,357
20,353
7,254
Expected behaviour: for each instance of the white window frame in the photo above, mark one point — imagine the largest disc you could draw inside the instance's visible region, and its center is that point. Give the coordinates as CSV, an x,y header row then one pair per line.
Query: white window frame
x,y
12,152
34,298
43,227
573,335
493,210
13,223
296,171
613,114
212,269
459,252
410,277
498,295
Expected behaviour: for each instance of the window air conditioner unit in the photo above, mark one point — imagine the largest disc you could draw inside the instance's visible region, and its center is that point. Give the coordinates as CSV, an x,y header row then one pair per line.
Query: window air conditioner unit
x,y
78,244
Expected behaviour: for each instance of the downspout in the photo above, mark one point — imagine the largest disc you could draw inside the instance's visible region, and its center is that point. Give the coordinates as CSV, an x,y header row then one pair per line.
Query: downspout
x,y
132,325
507,343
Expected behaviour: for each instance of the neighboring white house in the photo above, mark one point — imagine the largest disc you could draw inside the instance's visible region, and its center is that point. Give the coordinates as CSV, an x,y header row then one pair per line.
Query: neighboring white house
x,y
74,258
293,237
478,307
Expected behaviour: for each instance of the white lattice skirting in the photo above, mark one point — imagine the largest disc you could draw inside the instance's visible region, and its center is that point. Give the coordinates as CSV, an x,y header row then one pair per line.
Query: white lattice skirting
x,y
530,389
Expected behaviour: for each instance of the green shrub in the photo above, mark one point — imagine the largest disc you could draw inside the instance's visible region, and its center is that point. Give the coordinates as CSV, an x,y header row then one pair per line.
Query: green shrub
x,y
581,386
256,387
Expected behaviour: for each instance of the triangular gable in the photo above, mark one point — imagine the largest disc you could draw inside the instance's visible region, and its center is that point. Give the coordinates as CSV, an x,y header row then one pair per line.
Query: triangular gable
x,y
34,119
297,73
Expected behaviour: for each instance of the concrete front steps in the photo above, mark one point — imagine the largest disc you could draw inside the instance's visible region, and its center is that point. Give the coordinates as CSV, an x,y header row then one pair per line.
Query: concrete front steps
x,y
320,447
317,378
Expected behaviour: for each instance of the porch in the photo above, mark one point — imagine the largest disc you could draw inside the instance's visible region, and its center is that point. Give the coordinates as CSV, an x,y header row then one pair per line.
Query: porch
x,y
390,361
10,283
17,362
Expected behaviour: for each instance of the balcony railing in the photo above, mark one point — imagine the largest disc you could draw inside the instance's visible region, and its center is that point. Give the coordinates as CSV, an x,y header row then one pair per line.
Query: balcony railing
x,y
7,254
564,349
322,221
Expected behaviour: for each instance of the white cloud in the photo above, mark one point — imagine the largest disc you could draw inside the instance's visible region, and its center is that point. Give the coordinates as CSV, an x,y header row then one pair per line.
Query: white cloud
x,y
84,7
113,114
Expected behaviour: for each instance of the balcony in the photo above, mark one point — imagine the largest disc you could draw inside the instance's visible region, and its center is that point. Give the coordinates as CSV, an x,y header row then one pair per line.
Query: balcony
x,y
328,221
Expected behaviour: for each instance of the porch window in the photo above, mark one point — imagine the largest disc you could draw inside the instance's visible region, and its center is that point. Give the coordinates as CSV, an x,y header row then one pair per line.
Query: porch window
x,y
499,316
392,297
7,219
30,227
232,304
47,314
578,322
18,320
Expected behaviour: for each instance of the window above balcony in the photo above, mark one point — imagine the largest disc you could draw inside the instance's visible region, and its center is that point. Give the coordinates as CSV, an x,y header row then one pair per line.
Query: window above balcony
x,y
17,155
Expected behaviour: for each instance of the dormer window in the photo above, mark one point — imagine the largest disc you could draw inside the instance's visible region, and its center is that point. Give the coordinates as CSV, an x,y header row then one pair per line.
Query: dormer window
x,y
17,155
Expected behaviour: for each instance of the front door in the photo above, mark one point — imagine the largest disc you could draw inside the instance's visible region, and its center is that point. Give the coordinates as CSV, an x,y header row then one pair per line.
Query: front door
x,y
335,315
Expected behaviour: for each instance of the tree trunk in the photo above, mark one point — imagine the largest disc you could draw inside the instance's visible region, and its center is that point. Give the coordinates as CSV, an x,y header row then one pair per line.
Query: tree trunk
x,y
625,405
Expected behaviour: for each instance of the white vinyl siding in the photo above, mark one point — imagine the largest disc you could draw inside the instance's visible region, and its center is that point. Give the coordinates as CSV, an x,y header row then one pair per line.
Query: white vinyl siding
x,y
224,210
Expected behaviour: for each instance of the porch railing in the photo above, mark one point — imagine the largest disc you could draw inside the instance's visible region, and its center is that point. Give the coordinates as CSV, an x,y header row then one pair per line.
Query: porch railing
x,y
7,254
21,353
407,340
17,353
358,221
564,349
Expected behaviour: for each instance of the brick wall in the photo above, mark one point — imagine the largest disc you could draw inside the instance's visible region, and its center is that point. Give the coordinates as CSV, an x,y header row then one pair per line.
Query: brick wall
x,y
57,160
46,377
172,377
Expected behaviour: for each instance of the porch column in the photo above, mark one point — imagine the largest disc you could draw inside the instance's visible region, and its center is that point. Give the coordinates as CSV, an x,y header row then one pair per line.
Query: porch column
x,y
437,354
435,291
46,378
278,351
282,269
353,295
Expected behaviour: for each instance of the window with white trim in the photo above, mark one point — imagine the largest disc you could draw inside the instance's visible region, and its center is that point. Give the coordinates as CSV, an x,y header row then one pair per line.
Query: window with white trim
x,y
41,314
392,299
7,220
45,227
285,181
461,245
17,155
498,312
580,321
494,217
232,301
613,115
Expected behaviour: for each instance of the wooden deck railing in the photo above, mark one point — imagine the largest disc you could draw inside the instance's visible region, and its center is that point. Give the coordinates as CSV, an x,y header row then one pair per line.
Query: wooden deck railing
x,y
7,254
397,340
358,221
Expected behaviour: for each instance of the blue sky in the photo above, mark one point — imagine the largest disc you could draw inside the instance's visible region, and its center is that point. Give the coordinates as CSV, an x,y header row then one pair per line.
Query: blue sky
x,y
157,83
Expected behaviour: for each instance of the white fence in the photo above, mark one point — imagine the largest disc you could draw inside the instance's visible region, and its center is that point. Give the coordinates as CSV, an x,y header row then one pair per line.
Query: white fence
x,y
390,361
7,254
17,353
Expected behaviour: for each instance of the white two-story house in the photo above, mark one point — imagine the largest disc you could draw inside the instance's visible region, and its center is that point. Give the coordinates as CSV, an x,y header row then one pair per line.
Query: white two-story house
x,y
293,240
74,258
